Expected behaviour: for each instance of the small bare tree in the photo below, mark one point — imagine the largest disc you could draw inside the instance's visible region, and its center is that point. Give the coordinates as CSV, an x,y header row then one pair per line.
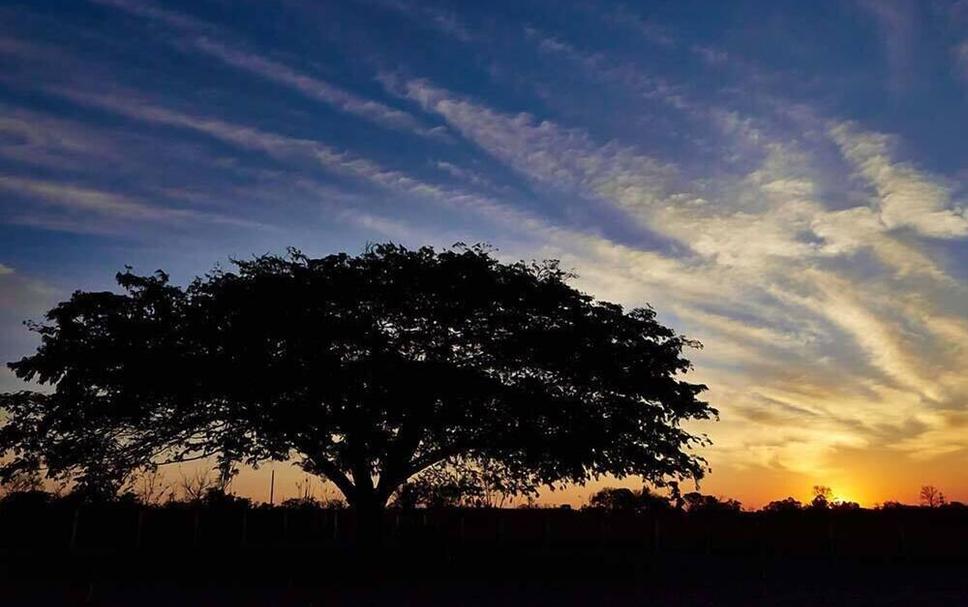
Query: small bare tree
x,y
197,485
931,497
150,487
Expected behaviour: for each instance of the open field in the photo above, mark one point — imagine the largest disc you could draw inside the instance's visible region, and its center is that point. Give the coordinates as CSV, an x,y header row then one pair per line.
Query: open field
x,y
125,554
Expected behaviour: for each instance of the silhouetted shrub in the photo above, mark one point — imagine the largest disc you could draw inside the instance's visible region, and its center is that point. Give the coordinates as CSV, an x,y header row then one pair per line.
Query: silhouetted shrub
x,y
783,506
626,500
696,502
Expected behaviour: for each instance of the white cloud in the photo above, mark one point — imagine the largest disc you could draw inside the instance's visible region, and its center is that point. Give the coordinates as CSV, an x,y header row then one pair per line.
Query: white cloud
x,y
643,186
766,247
905,197
882,341
546,151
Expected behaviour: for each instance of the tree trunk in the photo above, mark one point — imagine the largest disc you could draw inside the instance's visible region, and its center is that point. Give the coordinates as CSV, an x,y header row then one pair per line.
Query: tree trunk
x,y
369,512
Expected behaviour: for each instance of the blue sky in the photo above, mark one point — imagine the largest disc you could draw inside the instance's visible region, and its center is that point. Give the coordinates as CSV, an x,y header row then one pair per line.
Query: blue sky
x,y
786,181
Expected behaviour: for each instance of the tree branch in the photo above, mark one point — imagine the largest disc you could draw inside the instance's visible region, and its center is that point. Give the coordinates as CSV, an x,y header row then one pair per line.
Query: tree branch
x,y
333,473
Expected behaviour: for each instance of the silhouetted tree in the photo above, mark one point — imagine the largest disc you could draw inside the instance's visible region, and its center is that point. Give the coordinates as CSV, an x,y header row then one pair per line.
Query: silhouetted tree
x,y
675,495
697,502
198,485
785,505
457,483
822,496
150,487
931,497
367,370
25,480
441,488
622,499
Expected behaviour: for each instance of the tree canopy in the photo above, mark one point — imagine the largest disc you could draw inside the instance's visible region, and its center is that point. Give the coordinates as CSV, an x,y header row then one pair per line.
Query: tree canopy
x,y
365,370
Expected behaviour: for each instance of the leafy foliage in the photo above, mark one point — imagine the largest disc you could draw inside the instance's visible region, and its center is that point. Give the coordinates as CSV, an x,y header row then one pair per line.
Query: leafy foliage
x,y
822,497
785,505
460,483
696,502
626,500
366,369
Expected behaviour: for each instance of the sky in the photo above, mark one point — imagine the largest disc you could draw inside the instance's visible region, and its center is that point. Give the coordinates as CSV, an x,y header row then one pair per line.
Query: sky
x,y
784,181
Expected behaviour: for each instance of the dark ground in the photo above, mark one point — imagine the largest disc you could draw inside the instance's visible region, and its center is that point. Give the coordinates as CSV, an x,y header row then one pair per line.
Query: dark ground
x,y
185,557
520,577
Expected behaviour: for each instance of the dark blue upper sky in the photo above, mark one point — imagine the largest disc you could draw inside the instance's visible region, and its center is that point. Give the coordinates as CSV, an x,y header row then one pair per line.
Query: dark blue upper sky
x,y
785,180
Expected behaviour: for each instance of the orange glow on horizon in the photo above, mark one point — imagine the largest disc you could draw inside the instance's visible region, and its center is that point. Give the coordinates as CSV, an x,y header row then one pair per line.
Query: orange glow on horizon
x,y
741,485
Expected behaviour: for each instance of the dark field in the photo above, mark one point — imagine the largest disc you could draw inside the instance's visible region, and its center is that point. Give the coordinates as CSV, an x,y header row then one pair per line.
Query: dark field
x,y
180,555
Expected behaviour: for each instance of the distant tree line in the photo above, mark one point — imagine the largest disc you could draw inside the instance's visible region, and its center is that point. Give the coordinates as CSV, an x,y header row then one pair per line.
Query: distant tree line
x,y
447,489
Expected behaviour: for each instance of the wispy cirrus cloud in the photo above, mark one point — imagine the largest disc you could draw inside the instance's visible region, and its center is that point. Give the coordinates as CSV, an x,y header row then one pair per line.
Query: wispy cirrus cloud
x,y
960,53
44,141
87,199
905,197
318,89
439,19
648,29
895,20
785,254
110,205
285,147
203,38
545,150
22,297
